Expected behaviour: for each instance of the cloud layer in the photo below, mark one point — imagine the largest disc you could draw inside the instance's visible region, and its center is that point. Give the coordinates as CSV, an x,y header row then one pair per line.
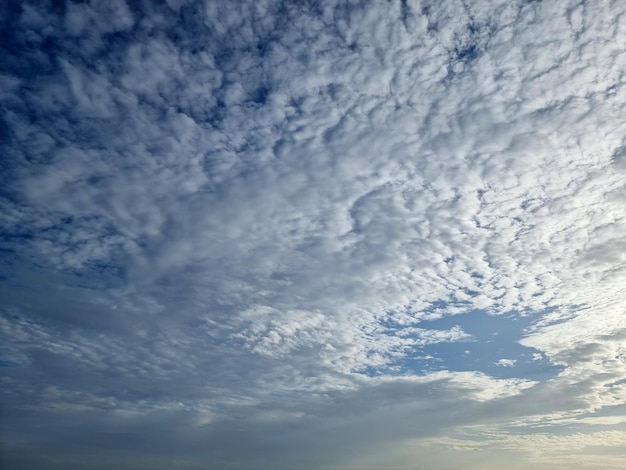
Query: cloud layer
x,y
308,233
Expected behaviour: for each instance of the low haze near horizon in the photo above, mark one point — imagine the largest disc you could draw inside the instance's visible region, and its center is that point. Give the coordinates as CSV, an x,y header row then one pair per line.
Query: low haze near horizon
x,y
313,235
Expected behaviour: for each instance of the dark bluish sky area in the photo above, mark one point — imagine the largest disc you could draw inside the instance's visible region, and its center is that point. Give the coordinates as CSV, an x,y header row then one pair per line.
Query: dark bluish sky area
x,y
312,235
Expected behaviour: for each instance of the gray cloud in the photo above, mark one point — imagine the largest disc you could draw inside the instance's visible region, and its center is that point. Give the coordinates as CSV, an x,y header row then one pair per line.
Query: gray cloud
x,y
224,226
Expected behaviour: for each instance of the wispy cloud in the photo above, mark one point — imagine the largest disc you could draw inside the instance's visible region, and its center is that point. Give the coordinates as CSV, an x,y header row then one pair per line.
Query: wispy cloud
x,y
260,227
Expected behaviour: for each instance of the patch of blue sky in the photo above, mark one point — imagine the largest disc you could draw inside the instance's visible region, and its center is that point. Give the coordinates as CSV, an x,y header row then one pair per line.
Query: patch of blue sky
x,y
493,348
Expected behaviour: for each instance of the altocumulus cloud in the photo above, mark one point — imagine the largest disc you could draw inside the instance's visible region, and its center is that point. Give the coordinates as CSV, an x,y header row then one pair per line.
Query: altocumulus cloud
x,y
282,235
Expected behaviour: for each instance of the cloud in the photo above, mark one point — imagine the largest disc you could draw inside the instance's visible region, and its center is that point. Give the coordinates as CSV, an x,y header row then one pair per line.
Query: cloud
x,y
240,225
545,450
506,362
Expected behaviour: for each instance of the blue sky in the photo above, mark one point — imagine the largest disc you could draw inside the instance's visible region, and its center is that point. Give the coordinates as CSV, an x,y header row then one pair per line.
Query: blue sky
x,y
313,235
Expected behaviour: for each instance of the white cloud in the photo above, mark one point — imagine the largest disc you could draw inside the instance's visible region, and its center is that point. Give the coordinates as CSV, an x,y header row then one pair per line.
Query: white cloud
x,y
258,205
506,362
544,450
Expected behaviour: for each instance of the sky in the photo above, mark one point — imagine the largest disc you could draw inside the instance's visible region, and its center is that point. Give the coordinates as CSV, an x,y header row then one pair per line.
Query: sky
x,y
313,235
